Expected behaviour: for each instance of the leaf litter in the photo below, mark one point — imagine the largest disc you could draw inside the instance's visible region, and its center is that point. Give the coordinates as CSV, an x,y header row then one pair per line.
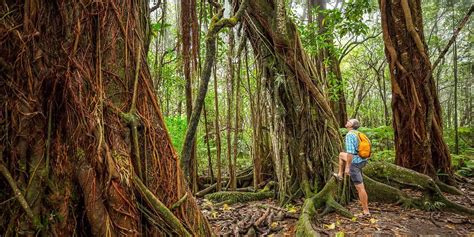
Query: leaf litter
x,y
267,218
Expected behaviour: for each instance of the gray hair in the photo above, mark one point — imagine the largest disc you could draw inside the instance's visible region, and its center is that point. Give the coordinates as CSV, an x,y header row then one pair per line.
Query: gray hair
x,y
355,123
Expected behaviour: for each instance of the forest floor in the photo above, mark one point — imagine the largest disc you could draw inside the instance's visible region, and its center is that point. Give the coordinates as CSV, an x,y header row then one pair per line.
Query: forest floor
x,y
266,218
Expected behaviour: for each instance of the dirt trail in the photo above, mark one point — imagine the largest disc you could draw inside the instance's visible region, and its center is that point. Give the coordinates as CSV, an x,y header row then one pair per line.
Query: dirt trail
x,y
266,218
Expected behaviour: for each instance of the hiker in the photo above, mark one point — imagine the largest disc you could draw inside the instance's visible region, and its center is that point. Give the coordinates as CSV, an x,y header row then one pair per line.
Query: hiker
x,y
354,163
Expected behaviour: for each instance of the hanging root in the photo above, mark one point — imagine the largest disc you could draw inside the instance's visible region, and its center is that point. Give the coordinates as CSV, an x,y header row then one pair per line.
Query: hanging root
x,y
396,176
179,202
19,196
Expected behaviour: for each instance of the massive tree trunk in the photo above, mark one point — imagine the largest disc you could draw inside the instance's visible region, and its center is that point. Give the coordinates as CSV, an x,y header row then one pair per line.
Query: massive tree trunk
x,y
87,151
416,110
304,130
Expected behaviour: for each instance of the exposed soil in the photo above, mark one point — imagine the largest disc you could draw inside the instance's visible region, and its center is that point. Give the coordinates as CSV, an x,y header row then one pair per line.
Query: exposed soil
x,y
266,218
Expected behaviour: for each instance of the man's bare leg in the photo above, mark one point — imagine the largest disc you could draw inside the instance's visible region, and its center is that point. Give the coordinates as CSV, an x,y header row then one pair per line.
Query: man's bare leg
x,y
342,159
363,197
345,160
348,163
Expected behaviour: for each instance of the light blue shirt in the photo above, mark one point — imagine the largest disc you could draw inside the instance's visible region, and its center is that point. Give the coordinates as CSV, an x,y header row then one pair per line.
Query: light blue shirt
x,y
352,147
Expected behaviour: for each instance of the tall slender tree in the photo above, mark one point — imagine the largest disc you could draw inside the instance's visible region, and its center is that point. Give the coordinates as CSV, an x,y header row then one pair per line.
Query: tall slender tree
x,y
218,134
189,51
229,96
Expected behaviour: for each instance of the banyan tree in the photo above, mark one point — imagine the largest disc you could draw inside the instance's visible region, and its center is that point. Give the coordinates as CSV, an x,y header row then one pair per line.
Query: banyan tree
x,y
84,149
303,128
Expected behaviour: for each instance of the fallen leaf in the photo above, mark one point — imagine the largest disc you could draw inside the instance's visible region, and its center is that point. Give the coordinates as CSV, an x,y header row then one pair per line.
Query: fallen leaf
x,y
449,226
214,214
373,220
292,210
274,224
354,219
226,207
338,223
330,227
340,234
208,203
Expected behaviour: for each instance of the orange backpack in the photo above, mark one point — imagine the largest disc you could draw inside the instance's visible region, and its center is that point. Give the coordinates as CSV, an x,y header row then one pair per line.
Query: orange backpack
x,y
364,145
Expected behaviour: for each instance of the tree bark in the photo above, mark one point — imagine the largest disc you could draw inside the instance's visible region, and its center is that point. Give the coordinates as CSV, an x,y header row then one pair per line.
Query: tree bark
x,y
218,134
209,157
417,119
85,126
237,106
229,96
189,44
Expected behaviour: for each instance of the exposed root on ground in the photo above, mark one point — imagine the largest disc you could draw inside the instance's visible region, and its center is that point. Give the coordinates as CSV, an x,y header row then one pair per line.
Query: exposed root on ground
x,y
383,182
241,197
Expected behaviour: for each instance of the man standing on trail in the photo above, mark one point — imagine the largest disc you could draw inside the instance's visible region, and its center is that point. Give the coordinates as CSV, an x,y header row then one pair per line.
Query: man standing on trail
x,y
354,163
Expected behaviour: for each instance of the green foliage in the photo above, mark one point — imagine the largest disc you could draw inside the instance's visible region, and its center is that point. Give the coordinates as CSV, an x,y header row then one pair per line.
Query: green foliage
x,y
433,206
176,126
467,171
337,23
464,162
157,27
466,138
384,155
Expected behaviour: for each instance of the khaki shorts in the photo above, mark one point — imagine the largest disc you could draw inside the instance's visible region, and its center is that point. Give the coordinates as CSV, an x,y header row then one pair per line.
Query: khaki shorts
x,y
356,172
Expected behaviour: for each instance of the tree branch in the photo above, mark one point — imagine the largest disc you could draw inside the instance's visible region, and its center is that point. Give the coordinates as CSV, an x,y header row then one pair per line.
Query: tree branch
x,y
19,196
346,50
152,9
453,38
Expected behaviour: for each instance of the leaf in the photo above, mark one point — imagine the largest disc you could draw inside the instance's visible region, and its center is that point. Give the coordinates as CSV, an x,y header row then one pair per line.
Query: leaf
x,y
373,220
292,210
274,225
207,203
226,207
330,227
338,223
214,214
340,234
354,219
450,226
